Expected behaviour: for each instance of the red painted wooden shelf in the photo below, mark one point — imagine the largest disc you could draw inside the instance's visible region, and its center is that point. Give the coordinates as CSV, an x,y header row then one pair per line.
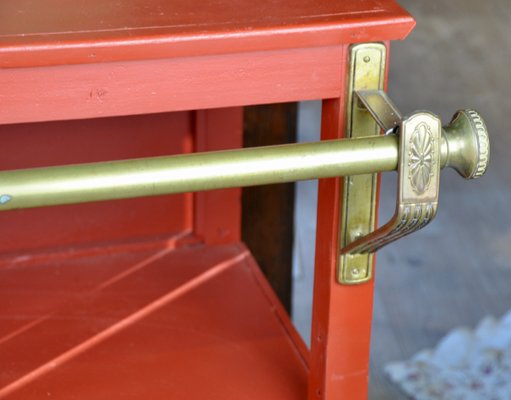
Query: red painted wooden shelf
x,y
151,321
157,298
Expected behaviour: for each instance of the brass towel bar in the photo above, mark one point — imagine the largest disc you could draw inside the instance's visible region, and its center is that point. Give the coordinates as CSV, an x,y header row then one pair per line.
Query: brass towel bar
x,y
81,183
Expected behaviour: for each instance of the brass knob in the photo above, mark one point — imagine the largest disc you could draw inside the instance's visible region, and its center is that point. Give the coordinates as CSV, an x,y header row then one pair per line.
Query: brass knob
x,y
424,148
466,144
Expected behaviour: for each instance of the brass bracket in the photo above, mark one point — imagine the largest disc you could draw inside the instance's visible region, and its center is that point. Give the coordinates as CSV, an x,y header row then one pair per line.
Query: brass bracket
x,y
419,162
419,180
358,208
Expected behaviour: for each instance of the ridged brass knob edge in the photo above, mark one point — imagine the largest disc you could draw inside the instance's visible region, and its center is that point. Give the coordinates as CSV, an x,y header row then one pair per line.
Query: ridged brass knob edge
x,y
468,144
483,143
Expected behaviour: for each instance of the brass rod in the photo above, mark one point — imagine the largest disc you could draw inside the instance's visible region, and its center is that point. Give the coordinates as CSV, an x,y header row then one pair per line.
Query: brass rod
x,y
81,183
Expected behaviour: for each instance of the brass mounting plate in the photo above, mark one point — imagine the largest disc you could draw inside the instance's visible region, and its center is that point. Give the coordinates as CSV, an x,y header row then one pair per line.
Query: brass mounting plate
x,y
358,208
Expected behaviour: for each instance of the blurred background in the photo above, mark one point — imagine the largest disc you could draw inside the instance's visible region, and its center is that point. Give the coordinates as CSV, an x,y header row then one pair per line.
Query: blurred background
x,y
458,269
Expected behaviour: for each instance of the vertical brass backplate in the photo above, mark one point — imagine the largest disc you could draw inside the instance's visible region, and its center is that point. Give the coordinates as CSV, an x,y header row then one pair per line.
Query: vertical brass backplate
x,y
367,64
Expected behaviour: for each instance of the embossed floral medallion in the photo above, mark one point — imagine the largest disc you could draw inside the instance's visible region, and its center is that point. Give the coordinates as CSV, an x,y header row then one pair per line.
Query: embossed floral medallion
x,y
421,158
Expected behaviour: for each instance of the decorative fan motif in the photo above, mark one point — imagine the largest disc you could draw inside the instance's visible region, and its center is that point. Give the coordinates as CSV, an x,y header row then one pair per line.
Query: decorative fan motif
x,y
421,158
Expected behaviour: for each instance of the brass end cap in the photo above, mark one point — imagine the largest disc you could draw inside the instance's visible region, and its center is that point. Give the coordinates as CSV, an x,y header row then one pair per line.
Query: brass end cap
x,y
468,143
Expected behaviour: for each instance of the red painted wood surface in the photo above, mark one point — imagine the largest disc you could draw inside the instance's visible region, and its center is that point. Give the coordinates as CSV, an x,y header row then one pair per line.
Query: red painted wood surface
x,y
53,32
173,321
154,86
341,318
60,143
217,213
214,216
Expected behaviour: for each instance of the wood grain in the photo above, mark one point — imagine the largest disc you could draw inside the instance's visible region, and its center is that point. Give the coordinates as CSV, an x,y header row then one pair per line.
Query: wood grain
x,y
267,220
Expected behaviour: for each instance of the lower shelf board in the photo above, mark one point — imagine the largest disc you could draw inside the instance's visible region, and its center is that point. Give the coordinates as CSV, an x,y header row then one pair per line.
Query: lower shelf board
x,y
196,322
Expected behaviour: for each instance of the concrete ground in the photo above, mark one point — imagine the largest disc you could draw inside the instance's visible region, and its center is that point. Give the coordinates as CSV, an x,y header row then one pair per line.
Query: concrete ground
x,y
458,269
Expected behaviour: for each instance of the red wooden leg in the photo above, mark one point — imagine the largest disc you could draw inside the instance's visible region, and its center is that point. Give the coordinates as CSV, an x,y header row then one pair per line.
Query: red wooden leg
x,y
341,317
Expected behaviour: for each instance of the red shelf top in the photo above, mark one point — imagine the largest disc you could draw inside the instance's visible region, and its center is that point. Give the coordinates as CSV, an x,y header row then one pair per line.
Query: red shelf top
x,y
195,322
56,32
